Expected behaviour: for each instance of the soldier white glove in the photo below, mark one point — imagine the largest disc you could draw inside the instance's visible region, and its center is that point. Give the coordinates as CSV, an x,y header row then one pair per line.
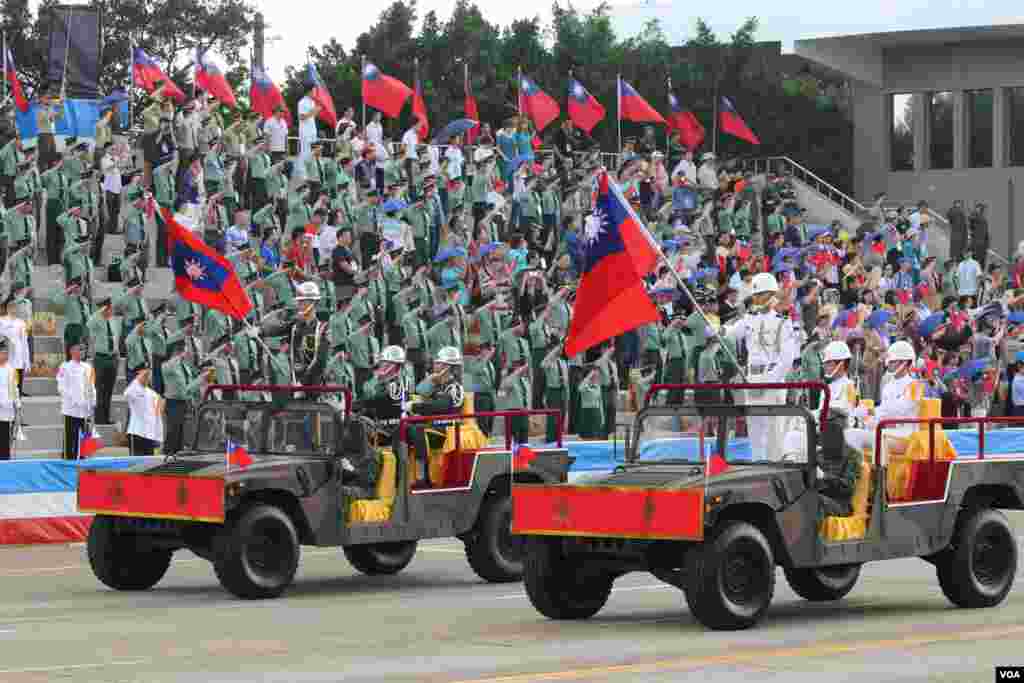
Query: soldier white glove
x,y
252,332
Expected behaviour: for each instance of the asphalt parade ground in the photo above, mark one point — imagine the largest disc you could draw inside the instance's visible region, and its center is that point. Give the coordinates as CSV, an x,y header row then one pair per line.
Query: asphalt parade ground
x,y
436,622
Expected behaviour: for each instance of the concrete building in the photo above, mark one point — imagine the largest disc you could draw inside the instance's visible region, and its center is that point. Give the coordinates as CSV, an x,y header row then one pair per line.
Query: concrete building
x,y
938,115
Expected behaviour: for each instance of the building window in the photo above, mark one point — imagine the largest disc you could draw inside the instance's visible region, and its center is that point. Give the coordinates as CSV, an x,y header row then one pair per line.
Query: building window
x,y
940,121
1016,127
901,143
980,110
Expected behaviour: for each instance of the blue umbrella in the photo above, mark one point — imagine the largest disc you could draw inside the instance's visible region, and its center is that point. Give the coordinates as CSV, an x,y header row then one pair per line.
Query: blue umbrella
x,y
785,253
456,127
877,319
393,205
927,327
1016,318
684,198
816,231
445,254
670,245
486,249
975,369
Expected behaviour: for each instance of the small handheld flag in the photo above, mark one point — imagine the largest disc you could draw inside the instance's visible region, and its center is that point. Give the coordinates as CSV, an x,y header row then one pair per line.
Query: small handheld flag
x,y
237,455
522,456
716,464
88,444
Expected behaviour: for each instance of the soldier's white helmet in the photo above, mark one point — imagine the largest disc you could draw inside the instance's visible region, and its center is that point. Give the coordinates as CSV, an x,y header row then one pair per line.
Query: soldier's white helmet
x,y
449,355
836,351
392,354
899,352
307,291
764,283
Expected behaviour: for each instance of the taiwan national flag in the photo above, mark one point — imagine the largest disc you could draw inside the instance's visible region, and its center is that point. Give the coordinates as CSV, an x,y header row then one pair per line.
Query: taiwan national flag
x,y
472,112
632,107
384,93
584,110
733,124
618,254
322,96
691,132
237,455
88,444
20,101
717,465
201,274
264,95
522,456
210,78
540,107
419,110
147,74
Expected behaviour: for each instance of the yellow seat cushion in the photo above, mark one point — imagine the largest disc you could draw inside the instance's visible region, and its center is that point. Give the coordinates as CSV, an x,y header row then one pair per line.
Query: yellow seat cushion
x,y
853,527
470,438
915,448
378,509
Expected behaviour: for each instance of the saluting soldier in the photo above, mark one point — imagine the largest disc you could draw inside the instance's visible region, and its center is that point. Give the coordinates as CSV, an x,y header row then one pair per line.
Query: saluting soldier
x,y
341,326
182,389
135,216
482,379
56,186
556,386
328,293
104,332
591,420
138,350
131,305
250,354
215,326
166,195
307,337
259,170
77,262
417,341
158,338
514,394
540,337
77,311
513,346
365,349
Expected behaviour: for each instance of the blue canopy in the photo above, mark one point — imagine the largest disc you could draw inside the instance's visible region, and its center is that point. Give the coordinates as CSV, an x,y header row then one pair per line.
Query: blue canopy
x,y
456,127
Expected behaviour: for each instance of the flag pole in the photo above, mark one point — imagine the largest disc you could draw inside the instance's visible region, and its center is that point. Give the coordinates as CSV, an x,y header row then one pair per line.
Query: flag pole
x,y
131,80
618,100
362,75
668,133
519,92
714,139
4,99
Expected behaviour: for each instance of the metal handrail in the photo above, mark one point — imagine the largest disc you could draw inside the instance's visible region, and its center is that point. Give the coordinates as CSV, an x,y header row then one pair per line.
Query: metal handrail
x,y
755,386
831,192
507,414
279,388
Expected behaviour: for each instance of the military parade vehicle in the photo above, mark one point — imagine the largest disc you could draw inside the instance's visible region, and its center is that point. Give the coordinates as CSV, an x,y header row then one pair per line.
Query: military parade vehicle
x,y
320,475
691,504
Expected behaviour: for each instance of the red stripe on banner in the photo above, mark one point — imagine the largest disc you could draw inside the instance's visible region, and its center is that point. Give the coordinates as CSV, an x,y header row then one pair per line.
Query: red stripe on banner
x,y
615,512
39,530
148,495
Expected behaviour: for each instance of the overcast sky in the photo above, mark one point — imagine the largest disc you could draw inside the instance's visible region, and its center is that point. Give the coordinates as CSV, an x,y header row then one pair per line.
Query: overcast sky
x,y
305,22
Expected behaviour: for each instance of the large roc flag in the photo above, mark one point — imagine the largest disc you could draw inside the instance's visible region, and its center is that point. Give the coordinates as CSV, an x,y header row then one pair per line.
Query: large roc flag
x,y
201,275
618,254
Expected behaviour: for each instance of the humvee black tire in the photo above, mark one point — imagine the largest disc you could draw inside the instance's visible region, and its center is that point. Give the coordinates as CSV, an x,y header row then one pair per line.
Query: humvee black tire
x,y
730,578
381,558
556,586
824,583
117,562
257,553
979,566
493,552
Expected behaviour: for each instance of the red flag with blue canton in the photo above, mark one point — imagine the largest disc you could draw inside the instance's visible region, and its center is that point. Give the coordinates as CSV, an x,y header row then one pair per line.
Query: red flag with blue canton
x,y
264,95
691,132
537,104
419,110
237,455
328,114
147,74
20,101
618,254
522,456
472,112
201,275
88,444
632,107
733,124
384,93
210,78
584,110
716,465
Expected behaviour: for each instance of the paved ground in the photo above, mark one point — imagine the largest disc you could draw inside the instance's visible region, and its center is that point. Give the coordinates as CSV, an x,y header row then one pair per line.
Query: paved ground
x,y
436,622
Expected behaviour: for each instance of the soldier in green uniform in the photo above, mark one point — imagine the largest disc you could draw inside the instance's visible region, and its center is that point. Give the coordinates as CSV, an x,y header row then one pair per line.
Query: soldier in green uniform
x,y
328,293
609,386
158,337
811,366
77,263
279,370
340,372
591,420
366,220
214,173
365,349
104,335
131,305
417,215
445,331
182,387
556,386
185,311
513,346
77,311
259,170
56,186
417,339
480,377
166,196
341,326
138,350
514,393
540,336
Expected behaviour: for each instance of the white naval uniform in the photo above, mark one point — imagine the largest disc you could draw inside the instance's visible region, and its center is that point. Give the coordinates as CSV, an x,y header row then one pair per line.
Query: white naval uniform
x,y
842,399
145,415
772,347
900,400
16,332
9,397
76,384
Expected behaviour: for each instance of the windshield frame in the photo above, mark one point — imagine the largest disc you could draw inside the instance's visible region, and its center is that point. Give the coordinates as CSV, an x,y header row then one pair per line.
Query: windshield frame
x,y
722,411
270,412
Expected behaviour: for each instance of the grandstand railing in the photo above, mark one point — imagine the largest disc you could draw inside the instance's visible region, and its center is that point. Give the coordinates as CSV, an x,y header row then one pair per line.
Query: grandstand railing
x,y
782,164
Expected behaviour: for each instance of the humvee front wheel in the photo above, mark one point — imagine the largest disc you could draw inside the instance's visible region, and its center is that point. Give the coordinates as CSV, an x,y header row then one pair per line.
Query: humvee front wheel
x,y
730,578
823,583
117,561
978,568
381,558
493,551
556,586
257,554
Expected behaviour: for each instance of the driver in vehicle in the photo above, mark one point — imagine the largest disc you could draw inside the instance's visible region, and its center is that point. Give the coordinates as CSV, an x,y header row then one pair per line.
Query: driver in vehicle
x,y
900,399
443,394
839,463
